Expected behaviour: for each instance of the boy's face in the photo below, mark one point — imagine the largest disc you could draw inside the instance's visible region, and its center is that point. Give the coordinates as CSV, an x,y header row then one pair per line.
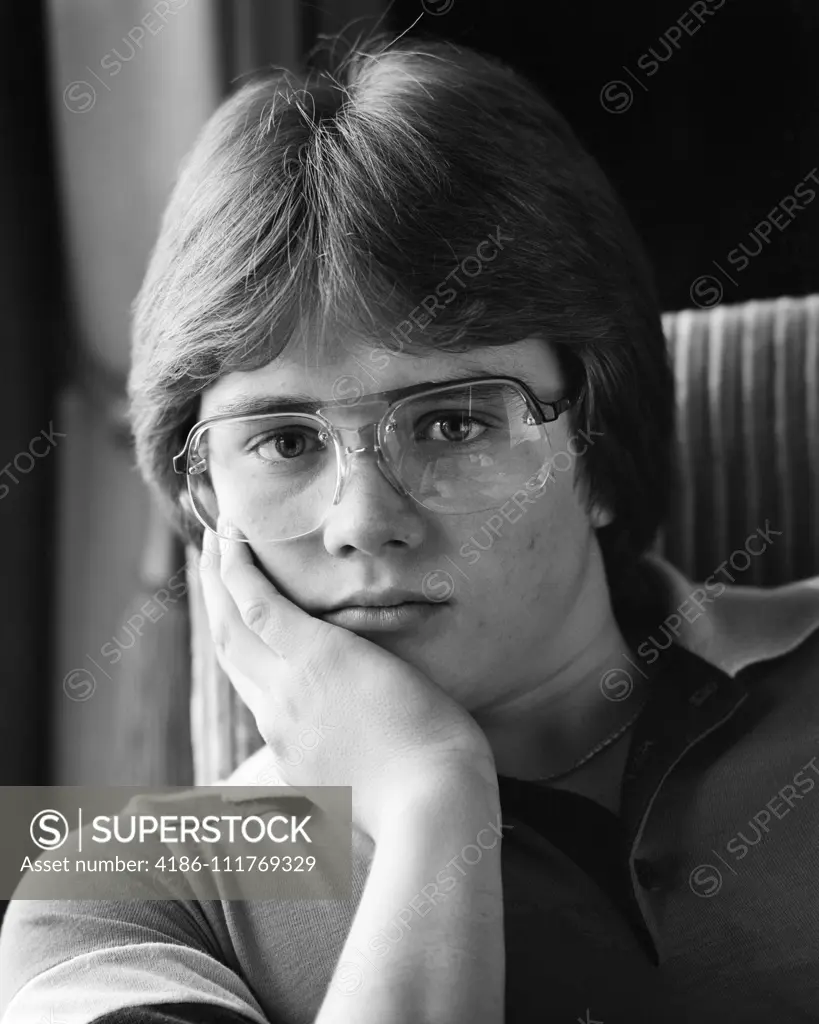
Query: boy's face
x,y
515,578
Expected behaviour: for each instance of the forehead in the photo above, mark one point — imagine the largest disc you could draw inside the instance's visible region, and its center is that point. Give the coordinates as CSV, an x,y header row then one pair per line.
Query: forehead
x,y
356,367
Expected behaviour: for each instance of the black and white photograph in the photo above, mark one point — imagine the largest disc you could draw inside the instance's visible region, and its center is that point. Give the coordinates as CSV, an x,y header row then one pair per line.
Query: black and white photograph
x,y
409,489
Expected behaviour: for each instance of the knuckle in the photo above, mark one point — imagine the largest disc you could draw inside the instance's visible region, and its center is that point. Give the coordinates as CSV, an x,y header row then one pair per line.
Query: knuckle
x,y
255,615
220,634
226,652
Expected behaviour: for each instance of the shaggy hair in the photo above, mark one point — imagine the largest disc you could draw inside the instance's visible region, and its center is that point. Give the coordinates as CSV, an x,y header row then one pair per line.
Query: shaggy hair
x,y
345,196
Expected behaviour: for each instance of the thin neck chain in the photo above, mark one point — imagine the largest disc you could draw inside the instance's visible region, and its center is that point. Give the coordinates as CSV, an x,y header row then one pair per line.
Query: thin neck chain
x,y
595,750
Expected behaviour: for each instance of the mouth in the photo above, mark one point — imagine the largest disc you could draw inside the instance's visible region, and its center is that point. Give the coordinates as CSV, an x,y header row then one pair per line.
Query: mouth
x,y
391,617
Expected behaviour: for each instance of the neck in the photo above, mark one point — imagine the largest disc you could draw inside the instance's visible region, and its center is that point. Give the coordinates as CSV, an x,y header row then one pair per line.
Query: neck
x,y
576,701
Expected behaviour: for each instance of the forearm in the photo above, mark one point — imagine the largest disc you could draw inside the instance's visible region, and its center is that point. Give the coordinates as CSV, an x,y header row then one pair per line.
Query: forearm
x,y
448,965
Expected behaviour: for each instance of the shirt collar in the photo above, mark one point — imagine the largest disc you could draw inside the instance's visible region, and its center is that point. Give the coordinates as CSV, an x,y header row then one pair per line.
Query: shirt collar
x,y
700,685
698,670
733,626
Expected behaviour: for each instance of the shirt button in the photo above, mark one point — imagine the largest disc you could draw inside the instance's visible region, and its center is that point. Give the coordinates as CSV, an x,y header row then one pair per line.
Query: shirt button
x,y
647,874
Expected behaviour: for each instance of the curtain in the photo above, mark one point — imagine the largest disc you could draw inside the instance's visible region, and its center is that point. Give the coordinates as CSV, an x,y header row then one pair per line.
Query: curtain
x,y
131,83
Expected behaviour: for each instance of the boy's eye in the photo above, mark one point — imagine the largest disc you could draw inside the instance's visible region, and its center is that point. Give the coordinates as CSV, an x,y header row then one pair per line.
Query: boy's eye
x,y
286,445
454,428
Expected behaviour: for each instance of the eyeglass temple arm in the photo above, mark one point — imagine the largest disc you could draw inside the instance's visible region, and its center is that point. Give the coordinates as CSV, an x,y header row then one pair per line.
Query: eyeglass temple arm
x,y
555,408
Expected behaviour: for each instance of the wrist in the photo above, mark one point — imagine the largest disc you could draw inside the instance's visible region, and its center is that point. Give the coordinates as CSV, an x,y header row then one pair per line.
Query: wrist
x,y
459,797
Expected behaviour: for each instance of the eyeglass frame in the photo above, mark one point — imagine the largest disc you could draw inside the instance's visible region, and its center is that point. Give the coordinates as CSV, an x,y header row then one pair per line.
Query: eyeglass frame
x,y
541,411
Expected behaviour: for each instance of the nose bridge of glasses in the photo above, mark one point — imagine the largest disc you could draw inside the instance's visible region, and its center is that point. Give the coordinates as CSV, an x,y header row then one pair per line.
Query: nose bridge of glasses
x,y
359,438
356,436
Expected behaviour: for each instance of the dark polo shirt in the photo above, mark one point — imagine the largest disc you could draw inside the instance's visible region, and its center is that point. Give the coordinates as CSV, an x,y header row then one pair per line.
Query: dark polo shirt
x,y
698,904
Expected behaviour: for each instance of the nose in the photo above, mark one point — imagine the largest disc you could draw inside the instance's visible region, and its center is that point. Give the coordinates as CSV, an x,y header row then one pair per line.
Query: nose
x,y
373,513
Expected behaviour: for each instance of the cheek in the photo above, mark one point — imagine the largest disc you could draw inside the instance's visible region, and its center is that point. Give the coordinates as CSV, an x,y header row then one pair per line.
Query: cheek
x,y
281,564
538,548
256,519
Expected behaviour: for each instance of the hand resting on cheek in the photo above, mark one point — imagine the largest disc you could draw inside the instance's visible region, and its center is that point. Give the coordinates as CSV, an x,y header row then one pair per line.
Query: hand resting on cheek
x,y
383,726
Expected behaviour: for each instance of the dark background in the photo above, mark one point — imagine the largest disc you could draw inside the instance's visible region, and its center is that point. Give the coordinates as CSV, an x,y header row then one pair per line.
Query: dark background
x,y
713,140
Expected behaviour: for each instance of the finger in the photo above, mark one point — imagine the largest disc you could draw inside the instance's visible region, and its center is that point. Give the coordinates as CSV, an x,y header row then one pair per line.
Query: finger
x,y
243,656
286,629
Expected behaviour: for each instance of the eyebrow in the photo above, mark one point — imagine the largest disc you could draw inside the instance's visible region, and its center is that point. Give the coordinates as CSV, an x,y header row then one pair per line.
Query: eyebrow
x,y
248,405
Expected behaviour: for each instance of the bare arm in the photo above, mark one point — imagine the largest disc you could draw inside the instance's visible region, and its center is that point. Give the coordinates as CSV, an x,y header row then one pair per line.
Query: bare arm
x,y
437,870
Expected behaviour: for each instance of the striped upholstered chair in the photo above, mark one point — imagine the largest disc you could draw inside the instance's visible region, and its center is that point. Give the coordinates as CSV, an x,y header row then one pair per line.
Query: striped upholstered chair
x,y
747,381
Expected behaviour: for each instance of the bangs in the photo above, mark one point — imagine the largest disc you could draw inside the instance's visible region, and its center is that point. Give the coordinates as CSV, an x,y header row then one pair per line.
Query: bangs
x,y
329,239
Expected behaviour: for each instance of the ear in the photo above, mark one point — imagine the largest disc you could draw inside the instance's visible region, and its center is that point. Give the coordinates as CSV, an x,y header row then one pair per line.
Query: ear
x,y
600,516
